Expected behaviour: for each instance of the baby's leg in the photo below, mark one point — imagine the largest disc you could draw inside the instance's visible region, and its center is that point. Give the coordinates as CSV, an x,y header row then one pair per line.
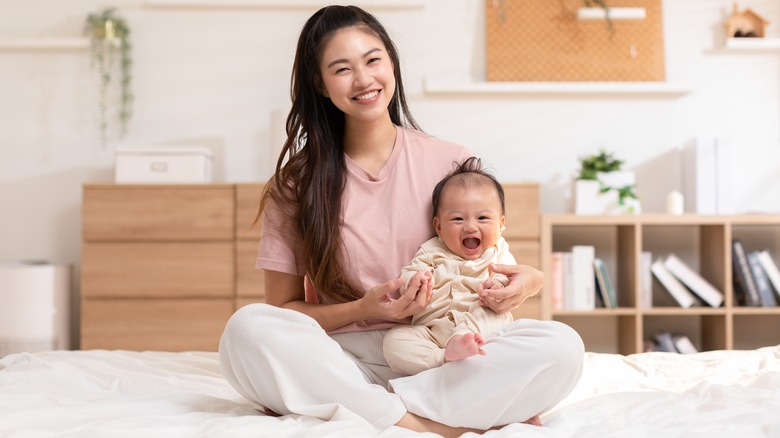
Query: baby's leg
x,y
462,346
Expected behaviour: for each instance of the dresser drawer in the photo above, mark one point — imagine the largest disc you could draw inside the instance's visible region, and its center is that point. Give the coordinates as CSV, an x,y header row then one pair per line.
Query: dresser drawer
x,y
138,213
162,325
157,269
526,252
522,210
247,204
249,280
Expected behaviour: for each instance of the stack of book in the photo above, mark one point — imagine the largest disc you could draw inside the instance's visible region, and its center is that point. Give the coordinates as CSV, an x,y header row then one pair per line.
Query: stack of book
x,y
686,286
756,276
580,280
672,343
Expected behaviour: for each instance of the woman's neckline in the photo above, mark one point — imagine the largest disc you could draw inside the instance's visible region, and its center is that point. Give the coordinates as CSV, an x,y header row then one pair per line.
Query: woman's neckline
x,y
379,174
373,151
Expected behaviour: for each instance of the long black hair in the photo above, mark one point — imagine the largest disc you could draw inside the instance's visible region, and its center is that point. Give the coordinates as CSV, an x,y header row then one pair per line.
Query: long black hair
x,y
310,173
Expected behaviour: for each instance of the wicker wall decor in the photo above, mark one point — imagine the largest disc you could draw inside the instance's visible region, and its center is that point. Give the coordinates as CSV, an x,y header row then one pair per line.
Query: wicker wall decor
x,y
542,40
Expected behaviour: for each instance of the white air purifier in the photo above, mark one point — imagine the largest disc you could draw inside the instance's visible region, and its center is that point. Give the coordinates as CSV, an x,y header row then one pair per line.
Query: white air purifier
x,y
34,307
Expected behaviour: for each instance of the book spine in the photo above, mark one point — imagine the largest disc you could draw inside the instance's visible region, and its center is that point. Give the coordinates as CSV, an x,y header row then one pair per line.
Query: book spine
x,y
556,280
646,277
694,281
745,289
761,279
771,270
584,280
672,285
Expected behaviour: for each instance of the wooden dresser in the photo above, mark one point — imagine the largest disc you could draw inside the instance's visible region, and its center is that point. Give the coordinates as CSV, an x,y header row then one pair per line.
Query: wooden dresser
x,y
164,266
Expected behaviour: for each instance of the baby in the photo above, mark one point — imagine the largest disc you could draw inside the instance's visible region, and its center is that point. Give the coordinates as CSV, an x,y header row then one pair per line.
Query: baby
x,y
468,216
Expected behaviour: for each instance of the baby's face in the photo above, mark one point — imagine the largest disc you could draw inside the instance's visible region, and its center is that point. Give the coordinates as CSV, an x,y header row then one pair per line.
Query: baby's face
x,y
469,220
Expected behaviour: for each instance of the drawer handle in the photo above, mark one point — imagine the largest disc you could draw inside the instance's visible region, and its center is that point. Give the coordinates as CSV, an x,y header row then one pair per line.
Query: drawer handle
x,y
158,166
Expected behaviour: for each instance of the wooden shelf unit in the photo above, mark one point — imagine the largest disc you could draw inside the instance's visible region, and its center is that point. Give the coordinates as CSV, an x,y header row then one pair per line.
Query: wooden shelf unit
x,y
702,241
164,266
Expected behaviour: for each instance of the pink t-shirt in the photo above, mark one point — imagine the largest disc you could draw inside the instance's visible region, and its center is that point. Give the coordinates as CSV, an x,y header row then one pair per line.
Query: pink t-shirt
x,y
385,218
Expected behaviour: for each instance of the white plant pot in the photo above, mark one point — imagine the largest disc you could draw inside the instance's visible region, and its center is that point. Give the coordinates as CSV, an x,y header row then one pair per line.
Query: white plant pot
x,y
588,200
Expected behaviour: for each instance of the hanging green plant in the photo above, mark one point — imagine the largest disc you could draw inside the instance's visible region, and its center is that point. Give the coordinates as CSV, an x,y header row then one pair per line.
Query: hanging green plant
x,y
109,37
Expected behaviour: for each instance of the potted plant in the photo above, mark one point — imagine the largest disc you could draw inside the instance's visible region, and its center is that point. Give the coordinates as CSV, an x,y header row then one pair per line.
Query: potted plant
x,y
111,54
601,187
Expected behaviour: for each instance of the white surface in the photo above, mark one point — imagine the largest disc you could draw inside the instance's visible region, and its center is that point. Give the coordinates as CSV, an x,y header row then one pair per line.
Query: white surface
x,y
44,43
437,85
49,105
34,307
163,165
155,394
395,4
614,13
753,44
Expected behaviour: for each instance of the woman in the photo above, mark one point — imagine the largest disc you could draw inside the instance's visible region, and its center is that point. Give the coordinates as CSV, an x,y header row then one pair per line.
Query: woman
x,y
347,208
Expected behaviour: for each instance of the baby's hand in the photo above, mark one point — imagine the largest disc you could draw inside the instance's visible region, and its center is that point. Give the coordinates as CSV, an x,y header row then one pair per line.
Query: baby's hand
x,y
492,284
420,286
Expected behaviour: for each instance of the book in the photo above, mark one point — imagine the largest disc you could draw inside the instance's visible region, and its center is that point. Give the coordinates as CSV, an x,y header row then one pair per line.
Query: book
x,y
671,284
583,281
683,344
701,287
745,290
771,270
646,279
604,283
556,280
761,280
568,281
664,342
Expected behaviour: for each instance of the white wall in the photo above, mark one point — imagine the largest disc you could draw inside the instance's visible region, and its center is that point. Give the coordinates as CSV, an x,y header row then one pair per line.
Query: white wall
x,y
216,76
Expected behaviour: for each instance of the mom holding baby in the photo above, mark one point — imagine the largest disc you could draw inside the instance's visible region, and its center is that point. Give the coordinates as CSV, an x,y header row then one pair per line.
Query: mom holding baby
x,y
347,208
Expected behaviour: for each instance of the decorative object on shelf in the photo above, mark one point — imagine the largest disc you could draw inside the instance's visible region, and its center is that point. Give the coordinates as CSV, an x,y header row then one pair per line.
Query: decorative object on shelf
x,y
675,203
547,41
602,4
603,188
109,36
745,24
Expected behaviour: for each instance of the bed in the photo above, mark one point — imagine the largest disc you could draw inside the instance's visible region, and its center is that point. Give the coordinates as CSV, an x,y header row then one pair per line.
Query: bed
x,y
100,393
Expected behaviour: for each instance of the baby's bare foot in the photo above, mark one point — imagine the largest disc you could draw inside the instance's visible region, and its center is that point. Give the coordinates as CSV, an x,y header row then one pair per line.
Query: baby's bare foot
x,y
462,346
534,421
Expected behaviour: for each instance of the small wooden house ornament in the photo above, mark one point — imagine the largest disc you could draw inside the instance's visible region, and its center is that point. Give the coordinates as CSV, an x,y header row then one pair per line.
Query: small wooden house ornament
x,y
745,24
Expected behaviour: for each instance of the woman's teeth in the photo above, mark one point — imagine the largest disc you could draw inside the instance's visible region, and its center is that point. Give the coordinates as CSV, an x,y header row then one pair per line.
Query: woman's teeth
x,y
367,95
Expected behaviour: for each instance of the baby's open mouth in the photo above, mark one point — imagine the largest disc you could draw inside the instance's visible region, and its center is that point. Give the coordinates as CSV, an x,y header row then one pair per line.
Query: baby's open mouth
x,y
471,242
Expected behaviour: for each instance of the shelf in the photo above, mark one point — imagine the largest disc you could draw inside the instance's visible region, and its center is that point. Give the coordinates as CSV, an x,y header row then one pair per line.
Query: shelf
x,y
44,43
585,14
458,86
704,241
278,4
749,46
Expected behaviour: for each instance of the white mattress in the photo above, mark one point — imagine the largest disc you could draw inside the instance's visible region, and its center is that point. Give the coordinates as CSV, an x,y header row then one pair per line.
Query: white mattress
x,y
155,394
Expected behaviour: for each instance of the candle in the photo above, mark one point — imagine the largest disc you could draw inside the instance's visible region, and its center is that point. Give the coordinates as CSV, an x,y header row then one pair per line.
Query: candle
x,y
675,203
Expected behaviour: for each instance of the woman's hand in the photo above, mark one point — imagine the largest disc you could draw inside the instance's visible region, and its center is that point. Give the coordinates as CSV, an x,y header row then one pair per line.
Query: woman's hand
x,y
524,282
379,300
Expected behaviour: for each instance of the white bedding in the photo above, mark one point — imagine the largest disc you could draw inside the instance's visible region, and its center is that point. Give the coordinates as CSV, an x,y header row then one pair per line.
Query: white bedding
x,y
155,394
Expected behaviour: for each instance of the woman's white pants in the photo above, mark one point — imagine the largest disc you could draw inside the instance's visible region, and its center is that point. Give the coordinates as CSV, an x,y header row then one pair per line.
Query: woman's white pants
x,y
283,360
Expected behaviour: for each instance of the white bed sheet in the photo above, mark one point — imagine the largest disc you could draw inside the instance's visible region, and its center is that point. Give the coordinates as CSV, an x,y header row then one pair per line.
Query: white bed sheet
x,y
102,393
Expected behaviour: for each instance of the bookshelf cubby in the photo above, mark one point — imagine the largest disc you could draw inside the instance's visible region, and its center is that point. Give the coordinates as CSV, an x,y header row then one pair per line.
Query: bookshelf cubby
x,y
701,241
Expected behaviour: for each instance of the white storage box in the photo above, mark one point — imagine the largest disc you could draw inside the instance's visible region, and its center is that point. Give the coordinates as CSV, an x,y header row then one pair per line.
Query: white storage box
x,y
163,164
34,307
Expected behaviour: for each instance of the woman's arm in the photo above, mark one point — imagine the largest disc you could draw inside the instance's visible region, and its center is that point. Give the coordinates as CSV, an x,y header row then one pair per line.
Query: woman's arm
x,y
287,291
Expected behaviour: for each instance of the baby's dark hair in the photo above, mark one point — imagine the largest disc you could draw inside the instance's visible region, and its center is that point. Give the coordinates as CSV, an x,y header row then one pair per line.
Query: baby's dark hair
x,y
467,173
